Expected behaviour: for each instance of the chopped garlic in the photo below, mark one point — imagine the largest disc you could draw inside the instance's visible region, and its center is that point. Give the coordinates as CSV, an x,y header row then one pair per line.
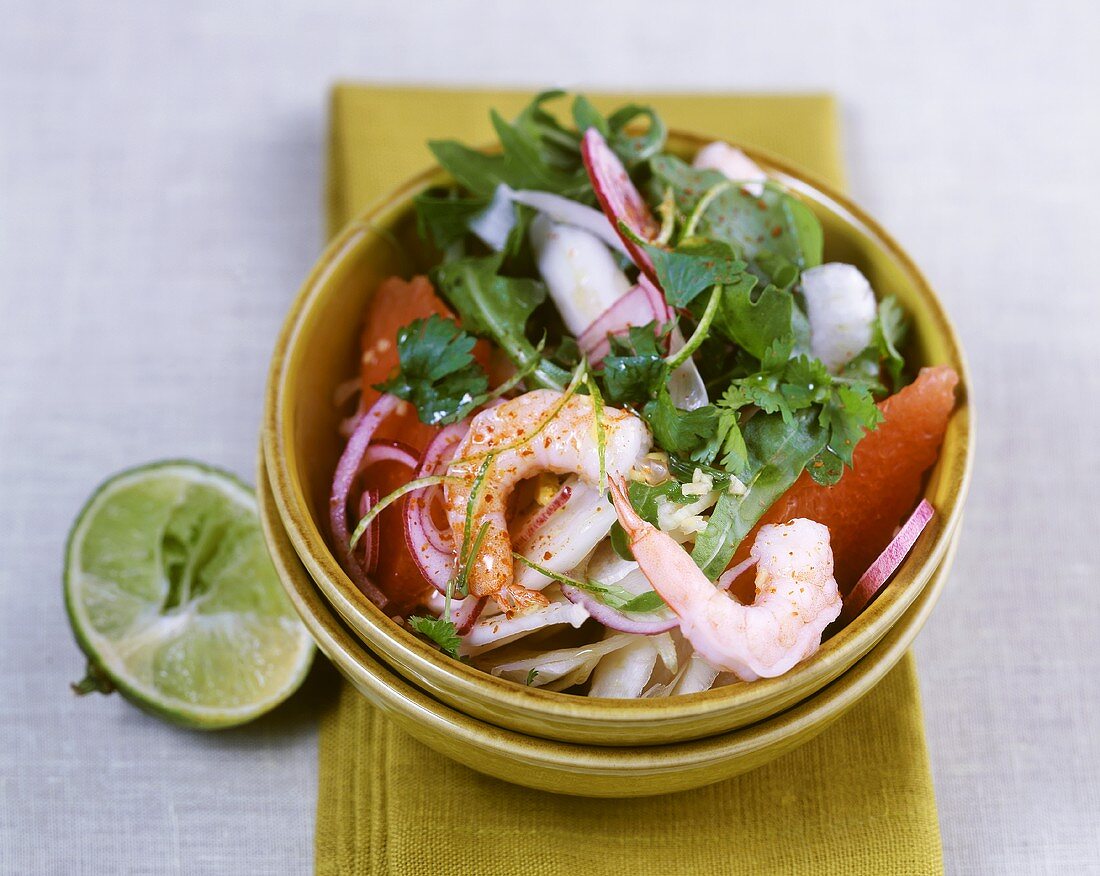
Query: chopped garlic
x,y
700,485
694,524
736,487
671,516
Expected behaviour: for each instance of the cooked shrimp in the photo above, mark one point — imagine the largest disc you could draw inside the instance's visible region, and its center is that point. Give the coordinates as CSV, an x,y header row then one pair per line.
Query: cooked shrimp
x,y
526,437
796,594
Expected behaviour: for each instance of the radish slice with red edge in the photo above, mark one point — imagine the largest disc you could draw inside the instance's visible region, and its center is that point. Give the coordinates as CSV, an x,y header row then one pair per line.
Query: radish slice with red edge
x,y
872,581
619,198
346,470
432,546
642,305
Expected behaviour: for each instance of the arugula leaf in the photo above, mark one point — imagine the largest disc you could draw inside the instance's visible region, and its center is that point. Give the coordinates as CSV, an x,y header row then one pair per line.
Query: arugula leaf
x,y
437,373
498,308
677,430
445,219
778,451
586,116
558,146
775,222
891,327
526,159
694,266
636,148
439,630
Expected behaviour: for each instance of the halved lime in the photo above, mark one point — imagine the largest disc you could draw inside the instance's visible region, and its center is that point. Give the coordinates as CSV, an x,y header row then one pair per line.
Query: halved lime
x,y
174,600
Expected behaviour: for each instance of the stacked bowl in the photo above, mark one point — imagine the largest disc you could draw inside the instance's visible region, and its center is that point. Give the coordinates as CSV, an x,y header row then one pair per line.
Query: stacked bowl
x,y
548,740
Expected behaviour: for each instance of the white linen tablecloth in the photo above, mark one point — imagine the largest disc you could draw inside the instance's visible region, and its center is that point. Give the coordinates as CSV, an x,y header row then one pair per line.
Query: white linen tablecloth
x,y
160,180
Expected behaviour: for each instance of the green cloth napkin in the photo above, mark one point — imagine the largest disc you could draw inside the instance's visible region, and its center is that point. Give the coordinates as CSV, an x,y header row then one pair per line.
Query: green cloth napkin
x,y
857,799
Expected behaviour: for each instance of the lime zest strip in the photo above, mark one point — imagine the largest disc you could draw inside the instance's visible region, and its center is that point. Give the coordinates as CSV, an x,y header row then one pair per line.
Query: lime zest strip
x,y
702,204
600,427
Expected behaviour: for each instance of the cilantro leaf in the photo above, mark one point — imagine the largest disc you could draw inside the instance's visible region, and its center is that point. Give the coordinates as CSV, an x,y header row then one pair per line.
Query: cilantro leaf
x,y
439,630
778,451
635,369
846,416
438,373
498,307
675,429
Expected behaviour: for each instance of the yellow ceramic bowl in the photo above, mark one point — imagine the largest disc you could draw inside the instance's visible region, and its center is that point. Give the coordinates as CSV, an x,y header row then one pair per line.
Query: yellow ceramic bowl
x,y
318,349
583,770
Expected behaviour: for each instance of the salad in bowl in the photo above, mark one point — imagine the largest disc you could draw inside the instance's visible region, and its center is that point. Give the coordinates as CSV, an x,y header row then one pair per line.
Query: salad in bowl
x,y
631,436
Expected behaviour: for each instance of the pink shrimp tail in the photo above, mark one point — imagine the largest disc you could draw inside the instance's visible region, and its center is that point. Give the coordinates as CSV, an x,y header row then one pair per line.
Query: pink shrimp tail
x,y
634,525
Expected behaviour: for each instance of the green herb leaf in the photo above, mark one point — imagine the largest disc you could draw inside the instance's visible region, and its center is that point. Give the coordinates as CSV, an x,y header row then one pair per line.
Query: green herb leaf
x,y
778,451
847,415
498,308
445,218
677,430
634,370
438,373
532,674
694,266
755,322
644,602
635,148
439,630
776,222
612,595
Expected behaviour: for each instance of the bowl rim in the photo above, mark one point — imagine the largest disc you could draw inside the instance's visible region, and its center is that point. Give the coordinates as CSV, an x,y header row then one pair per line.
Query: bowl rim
x,y
426,662
390,691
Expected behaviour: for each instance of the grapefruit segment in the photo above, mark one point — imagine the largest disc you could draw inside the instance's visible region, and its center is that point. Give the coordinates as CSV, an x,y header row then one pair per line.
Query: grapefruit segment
x,y
864,508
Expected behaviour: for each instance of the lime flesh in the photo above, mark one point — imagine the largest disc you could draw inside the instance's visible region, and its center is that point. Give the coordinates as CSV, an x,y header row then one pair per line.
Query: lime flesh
x,y
173,597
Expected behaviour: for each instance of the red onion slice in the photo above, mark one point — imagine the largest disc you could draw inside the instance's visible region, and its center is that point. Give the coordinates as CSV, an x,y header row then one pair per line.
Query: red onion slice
x,y
618,197
432,547
642,305
887,563
368,545
639,623
343,478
